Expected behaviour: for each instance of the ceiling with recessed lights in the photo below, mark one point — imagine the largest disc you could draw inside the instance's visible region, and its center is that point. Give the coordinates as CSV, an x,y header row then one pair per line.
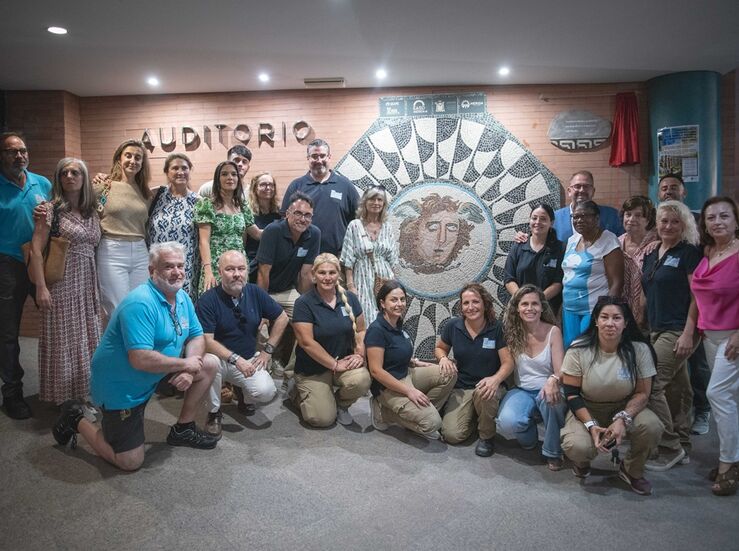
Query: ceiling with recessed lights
x,y
114,47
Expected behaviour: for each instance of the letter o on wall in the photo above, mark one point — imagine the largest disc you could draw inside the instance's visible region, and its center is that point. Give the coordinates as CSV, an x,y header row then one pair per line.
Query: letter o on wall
x,y
242,133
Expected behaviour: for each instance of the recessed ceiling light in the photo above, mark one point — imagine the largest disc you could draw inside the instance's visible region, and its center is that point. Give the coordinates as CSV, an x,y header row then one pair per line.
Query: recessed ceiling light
x,y
263,77
57,30
152,81
381,74
504,71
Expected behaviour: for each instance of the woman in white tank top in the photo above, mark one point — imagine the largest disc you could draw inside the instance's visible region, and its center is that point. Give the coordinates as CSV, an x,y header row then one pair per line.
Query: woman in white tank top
x,y
535,343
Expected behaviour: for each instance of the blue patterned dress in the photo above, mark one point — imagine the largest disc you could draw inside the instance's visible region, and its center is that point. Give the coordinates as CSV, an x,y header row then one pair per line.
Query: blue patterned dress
x,y
173,219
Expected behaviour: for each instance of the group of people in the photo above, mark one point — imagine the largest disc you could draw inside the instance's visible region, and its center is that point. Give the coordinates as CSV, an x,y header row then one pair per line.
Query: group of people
x,y
231,286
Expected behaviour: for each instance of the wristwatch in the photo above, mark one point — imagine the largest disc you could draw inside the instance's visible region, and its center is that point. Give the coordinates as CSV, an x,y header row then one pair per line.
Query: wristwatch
x,y
269,349
590,424
233,358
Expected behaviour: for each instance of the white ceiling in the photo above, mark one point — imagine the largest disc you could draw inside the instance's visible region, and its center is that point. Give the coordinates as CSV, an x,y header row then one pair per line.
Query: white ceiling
x,y
221,45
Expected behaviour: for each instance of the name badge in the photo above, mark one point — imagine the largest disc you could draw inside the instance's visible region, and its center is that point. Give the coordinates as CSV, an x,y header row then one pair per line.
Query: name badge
x,y
488,344
336,195
345,311
302,252
551,264
672,261
623,374
185,324
406,335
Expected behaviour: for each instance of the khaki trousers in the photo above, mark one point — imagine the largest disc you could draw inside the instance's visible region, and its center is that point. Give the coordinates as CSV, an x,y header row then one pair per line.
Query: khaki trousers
x,y
398,409
645,433
672,394
285,349
316,397
466,409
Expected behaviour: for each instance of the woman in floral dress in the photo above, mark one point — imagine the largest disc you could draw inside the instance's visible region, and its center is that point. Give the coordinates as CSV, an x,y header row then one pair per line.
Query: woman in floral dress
x,y
222,222
70,327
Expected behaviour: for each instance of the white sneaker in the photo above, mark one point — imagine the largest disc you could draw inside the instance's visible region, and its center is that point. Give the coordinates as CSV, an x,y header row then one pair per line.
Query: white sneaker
x,y
700,424
376,415
343,417
665,461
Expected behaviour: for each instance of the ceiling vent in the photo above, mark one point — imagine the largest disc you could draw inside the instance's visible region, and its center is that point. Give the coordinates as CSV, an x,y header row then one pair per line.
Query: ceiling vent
x,y
328,82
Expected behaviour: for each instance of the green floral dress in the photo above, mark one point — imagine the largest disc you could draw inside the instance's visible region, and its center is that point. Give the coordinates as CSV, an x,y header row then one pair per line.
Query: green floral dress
x,y
226,232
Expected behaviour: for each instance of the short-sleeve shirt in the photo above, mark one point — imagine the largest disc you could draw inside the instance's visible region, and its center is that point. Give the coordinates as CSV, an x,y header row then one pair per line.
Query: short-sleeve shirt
x,y
286,257
665,284
607,379
332,328
144,320
543,268
397,347
476,358
236,329
16,211
585,272
335,205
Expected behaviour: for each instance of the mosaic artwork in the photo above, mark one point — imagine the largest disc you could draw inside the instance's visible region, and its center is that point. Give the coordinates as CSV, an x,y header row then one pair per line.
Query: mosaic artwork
x,y
460,188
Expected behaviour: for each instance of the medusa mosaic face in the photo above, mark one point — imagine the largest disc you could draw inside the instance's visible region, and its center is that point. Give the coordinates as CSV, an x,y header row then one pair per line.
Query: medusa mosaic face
x,y
460,186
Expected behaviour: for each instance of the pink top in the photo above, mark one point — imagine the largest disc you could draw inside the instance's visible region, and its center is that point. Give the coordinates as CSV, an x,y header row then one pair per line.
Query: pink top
x,y
716,292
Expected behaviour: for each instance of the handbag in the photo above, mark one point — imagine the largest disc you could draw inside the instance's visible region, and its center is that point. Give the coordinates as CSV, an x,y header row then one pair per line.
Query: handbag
x,y
55,252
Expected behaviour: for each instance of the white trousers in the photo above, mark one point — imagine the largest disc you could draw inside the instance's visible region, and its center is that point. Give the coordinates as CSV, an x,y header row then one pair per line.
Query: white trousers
x,y
122,266
257,389
723,393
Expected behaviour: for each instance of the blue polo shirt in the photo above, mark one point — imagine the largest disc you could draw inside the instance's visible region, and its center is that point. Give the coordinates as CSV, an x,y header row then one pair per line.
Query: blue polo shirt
x,y
336,203
142,321
236,329
332,328
665,284
609,220
276,248
16,211
397,346
476,358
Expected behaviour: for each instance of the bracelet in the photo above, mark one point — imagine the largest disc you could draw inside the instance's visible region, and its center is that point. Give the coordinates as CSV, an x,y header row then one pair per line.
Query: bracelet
x,y
590,424
553,376
625,417
443,358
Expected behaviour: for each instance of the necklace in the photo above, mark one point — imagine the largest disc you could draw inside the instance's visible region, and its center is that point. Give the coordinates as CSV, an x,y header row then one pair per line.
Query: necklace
x,y
726,248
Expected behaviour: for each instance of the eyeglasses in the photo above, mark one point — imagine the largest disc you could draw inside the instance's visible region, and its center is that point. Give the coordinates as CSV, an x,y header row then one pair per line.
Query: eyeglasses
x,y
581,187
175,321
13,152
317,157
265,184
238,314
304,215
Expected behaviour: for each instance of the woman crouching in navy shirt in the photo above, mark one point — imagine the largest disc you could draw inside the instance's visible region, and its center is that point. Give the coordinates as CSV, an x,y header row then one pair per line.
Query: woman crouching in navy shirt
x,y
329,328
481,362
408,397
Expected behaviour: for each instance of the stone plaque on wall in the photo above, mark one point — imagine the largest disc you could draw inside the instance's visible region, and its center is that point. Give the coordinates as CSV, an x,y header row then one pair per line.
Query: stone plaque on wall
x,y
579,131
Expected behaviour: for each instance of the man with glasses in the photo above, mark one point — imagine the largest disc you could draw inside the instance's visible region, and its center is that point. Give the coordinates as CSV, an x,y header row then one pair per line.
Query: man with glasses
x,y
334,197
239,155
20,192
145,340
285,258
582,188
231,314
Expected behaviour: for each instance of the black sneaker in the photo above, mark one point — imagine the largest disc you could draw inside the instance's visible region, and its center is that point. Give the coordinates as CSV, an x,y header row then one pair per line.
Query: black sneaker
x,y
65,429
485,448
16,407
189,435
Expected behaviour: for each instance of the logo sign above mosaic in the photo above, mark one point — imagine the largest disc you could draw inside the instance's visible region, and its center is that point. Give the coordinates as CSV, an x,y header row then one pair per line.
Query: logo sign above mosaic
x,y
579,131
460,186
433,104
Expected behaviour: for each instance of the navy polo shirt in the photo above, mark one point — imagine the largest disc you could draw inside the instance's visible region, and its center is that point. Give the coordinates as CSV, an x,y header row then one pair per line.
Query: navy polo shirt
x,y
277,249
217,314
252,245
397,346
332,328
336,201
665,284
544,268
476,358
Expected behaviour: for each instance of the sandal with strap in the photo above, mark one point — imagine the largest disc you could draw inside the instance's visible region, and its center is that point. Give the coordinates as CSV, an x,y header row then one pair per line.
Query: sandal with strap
x,y
713,474
727,483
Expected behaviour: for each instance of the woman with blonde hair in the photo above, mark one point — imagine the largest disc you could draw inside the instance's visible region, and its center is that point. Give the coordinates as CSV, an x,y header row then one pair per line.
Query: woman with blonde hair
x,y
266,209
123,206
666,277
70,326
370,249
329,327
535,342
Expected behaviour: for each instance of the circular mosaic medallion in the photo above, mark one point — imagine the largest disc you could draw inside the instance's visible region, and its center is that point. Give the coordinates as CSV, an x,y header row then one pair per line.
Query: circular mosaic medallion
x,y
446,235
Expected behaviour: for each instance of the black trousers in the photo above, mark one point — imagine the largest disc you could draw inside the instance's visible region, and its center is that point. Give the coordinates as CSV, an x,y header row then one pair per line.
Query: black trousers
x,y
14,288
700,374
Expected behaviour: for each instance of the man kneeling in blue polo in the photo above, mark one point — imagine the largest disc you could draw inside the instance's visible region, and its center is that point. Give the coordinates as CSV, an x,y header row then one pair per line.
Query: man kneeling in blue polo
x,y
143,341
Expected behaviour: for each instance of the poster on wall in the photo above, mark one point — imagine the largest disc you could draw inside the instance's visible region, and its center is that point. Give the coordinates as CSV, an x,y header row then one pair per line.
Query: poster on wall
x,y
678,150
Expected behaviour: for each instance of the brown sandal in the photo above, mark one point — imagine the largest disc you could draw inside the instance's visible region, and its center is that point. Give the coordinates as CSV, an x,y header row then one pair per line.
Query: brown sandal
x,y
726,483
712,474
